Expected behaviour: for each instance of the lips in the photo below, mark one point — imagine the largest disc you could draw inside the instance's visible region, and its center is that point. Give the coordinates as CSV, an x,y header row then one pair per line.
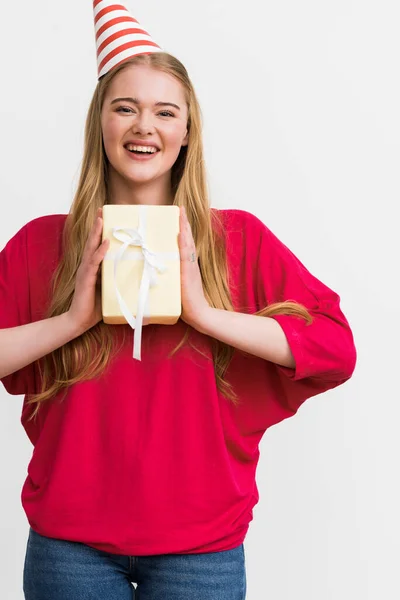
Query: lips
x,y
141,157
141,143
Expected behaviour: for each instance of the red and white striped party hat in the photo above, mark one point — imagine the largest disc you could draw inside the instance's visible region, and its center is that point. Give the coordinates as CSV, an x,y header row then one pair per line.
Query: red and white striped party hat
x,y
118,36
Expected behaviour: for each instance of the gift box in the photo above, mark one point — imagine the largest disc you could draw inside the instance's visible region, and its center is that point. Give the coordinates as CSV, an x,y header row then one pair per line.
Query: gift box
x,y
140,273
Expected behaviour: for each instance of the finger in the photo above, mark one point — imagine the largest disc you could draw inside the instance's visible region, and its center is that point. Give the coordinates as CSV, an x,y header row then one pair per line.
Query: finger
x,y
101,251
99,256
91,270
182,223
187,244
186,250
184,215
93,240
186,229
183,238
182,245
188,253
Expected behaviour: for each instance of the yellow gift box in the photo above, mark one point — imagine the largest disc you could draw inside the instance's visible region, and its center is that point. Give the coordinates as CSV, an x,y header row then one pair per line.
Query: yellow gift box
x,y
141,277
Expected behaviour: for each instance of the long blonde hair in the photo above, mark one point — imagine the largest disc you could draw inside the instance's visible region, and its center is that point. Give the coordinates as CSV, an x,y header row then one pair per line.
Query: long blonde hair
x,y
86,356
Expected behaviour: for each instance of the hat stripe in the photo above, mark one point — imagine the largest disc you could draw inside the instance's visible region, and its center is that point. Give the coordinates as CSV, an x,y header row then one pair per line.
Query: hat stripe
x,y
119,49
121,42
138,33
98,5
117,25
108,9
123,56
110,32
107,18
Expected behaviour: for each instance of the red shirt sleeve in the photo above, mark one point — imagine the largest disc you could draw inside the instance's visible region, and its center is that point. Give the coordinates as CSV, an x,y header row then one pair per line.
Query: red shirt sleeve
x,y
324,352
15,304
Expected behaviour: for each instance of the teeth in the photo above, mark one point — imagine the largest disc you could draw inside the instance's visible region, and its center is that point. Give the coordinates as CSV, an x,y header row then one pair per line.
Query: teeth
x,y
149,149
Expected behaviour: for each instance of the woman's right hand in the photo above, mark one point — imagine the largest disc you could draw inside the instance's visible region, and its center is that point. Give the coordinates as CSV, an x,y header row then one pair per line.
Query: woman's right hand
x,y
85,310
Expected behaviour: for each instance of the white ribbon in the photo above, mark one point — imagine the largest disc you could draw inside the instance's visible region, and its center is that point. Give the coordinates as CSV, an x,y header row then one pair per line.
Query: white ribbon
x,y
152,263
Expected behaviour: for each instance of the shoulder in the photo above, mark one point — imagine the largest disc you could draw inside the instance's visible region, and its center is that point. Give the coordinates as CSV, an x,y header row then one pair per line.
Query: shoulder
x,y
46,225
37,227
244,225
237,221
235,217
42,232
38,240
244,229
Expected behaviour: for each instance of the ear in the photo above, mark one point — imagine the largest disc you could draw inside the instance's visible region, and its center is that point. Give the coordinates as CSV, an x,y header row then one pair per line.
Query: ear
x,y
185,140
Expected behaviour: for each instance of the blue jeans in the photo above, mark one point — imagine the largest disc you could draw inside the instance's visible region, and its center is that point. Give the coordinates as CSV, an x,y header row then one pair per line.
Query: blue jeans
x,y
62,570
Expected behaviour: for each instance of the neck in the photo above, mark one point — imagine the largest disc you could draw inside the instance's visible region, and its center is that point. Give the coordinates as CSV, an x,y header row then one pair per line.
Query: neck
x,y
123,191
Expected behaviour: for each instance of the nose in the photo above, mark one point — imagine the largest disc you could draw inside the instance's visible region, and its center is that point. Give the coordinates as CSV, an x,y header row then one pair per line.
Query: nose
x,y
144,123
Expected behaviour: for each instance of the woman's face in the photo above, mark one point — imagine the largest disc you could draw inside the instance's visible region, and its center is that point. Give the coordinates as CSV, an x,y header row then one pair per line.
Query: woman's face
x,y
144,109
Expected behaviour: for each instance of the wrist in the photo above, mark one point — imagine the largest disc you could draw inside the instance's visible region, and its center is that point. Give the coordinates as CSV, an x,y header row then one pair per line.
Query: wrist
x,y
203,320
74,328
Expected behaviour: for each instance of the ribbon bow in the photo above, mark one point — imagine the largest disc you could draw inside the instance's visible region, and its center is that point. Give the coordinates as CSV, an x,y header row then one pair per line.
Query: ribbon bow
x,y
152,263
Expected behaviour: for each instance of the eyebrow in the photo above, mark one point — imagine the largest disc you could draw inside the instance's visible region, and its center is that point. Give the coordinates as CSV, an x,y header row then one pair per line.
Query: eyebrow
x,y
136,101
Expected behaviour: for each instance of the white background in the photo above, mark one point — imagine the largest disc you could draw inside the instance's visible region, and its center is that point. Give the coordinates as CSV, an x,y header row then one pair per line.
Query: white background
x,y
301,110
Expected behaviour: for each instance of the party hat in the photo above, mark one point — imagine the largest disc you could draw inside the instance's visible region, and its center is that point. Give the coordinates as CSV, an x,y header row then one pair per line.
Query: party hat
x,y
118,36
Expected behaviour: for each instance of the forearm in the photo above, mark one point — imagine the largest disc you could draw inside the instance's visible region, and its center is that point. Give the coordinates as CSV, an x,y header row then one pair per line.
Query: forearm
x,y
259,336
21,346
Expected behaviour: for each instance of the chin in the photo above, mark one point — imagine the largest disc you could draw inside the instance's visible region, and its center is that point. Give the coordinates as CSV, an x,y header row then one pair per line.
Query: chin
x,y
137,179
138,173
135,175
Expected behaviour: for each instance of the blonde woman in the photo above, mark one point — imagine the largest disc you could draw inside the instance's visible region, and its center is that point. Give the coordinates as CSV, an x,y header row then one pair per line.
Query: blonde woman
x,y
143,472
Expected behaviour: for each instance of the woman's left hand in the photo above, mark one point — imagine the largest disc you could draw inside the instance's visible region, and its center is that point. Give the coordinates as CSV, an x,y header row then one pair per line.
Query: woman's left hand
x,y
194,303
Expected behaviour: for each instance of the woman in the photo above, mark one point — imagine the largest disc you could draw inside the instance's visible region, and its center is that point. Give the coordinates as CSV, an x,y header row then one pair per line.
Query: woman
x,y
144,471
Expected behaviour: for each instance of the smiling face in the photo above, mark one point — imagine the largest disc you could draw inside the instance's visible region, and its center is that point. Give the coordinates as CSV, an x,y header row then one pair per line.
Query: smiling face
x,y
144,109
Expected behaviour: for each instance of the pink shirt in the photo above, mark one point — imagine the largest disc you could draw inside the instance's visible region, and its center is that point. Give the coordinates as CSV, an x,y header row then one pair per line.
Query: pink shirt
x,y
151,458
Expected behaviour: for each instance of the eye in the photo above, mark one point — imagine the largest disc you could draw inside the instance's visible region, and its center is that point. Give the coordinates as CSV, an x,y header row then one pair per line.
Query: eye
x,y
124,109
166,113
